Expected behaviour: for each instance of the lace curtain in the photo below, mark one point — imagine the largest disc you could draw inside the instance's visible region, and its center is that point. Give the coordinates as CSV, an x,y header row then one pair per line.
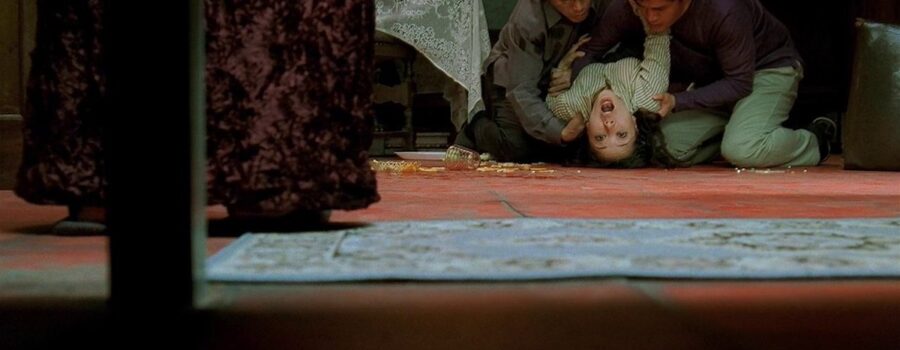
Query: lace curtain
x,y
452,34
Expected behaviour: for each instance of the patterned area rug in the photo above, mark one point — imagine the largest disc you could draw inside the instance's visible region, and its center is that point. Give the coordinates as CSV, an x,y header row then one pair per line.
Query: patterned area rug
x,y
534,249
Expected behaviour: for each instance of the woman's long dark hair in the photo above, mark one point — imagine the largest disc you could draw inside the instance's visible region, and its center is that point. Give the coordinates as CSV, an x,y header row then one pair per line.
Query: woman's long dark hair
x,y
649,148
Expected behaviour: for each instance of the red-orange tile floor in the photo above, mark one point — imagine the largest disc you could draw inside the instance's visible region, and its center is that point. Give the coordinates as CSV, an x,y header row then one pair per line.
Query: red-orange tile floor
x,y
45,277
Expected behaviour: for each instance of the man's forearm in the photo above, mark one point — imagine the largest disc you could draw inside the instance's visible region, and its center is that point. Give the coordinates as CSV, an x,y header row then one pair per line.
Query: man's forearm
x,y
721,93
535,116
593,50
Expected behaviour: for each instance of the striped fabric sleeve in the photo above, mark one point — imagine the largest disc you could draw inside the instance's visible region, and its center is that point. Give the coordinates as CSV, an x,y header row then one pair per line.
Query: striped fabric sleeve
x,y
652,76
578,98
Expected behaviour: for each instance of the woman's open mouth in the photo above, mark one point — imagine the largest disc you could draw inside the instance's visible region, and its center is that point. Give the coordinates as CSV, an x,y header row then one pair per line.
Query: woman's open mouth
x,y
607,106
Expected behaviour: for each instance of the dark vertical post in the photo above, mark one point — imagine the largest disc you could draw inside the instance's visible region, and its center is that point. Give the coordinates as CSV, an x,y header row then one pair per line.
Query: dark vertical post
x,y
197,86
155,157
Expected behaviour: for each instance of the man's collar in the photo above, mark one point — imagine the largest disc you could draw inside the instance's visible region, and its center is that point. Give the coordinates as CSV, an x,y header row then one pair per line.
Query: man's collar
x,y
551,14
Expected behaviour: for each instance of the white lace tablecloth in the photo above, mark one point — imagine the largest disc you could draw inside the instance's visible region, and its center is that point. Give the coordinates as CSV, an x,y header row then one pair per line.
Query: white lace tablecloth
x,y
452,34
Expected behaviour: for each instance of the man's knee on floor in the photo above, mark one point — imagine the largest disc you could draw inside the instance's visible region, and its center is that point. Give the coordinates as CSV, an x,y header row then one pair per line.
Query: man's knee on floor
x,y
503,145
503,148
744,152
510,153
680,155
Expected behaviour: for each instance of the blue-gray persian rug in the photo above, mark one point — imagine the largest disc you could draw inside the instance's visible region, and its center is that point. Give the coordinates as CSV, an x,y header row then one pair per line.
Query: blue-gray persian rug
x,y
539,249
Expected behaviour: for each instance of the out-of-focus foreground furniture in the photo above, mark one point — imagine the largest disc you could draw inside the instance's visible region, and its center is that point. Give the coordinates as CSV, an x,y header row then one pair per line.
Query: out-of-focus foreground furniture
x,y
872,124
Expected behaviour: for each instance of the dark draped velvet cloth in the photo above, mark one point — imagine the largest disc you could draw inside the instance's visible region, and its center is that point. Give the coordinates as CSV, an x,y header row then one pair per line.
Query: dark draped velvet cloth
x,y
62,118
288,101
